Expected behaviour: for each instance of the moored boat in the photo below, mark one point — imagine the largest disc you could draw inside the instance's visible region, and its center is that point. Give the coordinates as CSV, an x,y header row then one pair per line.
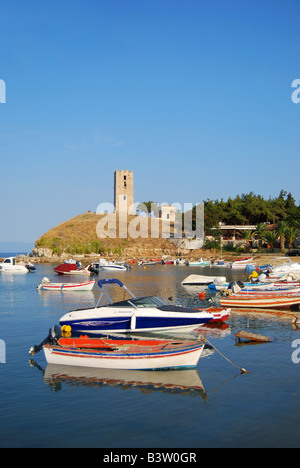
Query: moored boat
x,y
261,286
148,262
201,280
10,265
241,263
219,314
121,354
71,269
287,289
200,262
220,263
148,313
113,267
261,301
181,262
104,265
135,358
46,285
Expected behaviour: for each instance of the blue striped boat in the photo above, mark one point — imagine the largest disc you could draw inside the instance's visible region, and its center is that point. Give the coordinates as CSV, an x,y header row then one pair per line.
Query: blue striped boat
x,y
143,314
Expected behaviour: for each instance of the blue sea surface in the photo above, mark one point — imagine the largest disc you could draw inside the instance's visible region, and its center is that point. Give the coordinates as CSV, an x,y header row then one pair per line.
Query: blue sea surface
x,y
213,406
12,254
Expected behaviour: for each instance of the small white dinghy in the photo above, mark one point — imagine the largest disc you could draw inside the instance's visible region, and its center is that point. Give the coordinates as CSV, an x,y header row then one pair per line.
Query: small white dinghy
x,y
200,280
46,285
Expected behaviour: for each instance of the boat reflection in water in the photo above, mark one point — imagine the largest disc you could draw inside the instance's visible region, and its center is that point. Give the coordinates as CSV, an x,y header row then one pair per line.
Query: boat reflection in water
x,y
186,382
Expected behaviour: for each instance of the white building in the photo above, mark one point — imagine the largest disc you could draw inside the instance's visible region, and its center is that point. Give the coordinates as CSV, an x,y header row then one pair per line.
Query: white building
x,y
166,213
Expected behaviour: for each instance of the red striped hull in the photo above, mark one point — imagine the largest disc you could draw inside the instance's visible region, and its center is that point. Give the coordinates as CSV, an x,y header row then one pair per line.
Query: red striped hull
x,y
261,302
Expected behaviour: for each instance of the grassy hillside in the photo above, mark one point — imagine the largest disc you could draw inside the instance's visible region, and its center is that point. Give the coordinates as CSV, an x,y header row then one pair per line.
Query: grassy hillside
x,y
79,236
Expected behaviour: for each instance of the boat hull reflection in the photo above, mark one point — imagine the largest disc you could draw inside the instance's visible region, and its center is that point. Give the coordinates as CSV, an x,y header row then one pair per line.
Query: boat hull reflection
x,y
186,382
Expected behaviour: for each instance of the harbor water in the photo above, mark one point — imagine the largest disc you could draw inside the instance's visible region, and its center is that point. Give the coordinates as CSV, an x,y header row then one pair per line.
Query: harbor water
x,y
212,406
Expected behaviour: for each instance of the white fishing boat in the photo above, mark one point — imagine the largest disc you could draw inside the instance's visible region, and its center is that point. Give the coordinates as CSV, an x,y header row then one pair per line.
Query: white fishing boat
x,y
129,356
113,267
258,286
148,262
280,271
220,263
181,262
46,285
241,263
261,301
10,265
104,265
200,262
279,291
104,353
201,280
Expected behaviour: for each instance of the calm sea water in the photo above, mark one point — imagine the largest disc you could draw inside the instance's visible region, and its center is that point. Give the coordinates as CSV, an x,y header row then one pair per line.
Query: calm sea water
x,y
11,254
47,406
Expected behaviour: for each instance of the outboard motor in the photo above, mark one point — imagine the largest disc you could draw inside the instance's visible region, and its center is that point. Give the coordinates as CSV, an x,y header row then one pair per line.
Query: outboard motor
x,y
93,270
53,336
235,288
30,266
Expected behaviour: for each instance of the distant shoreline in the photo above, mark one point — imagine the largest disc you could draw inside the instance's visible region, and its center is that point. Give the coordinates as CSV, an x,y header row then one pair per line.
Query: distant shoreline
x,y
262,258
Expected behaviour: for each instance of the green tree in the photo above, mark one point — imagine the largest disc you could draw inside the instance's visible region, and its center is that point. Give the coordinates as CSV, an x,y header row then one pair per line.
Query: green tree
x,y
260,232
252,209
147,207
291,234
271,238
247,235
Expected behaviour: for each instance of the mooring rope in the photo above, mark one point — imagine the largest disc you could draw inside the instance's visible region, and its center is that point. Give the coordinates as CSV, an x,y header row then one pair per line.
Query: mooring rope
x,y
243,371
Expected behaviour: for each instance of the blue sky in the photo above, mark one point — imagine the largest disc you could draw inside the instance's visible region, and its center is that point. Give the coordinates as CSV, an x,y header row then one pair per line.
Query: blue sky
x,y
193,96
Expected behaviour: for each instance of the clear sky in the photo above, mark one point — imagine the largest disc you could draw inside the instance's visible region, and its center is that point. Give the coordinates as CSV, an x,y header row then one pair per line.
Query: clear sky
x,y
194,96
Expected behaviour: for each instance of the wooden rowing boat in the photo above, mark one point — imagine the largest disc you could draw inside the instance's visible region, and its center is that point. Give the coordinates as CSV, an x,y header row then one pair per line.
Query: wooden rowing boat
x,y
46,285
245,335
261,301
124,354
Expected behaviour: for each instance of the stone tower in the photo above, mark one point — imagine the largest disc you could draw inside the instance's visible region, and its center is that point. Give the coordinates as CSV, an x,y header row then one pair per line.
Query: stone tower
x,y
123,192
